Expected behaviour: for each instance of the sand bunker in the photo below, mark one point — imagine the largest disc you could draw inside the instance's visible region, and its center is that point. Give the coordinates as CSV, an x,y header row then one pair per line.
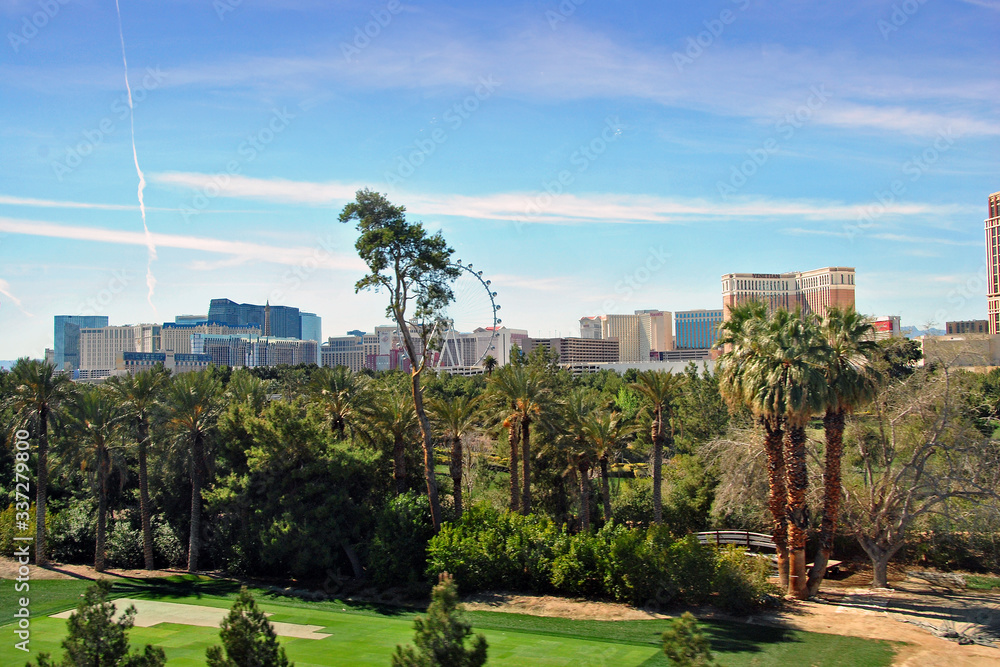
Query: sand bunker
x,y
151,612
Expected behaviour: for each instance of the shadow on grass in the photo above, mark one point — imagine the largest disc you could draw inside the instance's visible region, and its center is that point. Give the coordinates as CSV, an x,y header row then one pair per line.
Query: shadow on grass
x,y
197,586
741,638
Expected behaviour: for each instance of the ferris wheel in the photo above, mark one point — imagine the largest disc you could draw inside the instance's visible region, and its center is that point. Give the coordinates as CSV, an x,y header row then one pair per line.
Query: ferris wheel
x,y
469,322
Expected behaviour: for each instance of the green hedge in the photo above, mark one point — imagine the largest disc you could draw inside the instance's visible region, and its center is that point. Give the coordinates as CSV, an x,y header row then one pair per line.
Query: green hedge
x,y
489,550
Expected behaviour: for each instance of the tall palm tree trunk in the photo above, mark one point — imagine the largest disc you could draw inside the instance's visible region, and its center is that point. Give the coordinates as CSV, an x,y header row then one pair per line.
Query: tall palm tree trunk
x,y
777,496
102,508
41,487
605,488
514,434
526,463
456,474
144,508
399,464
797,512
833,426
584,469
425,431
194,539
657,437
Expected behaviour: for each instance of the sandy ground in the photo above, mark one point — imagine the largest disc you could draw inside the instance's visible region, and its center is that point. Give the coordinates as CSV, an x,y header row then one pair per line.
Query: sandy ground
x,y
152,612
931,616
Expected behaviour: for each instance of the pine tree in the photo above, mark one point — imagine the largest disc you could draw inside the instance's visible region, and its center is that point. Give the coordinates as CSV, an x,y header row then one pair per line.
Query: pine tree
x,y
440,637
96,639
247,638
685,645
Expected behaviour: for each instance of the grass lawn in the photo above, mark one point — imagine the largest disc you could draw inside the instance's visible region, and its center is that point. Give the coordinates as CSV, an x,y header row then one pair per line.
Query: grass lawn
x,y
982,582
367,634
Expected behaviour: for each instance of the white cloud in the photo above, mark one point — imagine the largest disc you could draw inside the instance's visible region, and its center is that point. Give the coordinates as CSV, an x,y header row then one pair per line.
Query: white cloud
x,y
563,209
241,251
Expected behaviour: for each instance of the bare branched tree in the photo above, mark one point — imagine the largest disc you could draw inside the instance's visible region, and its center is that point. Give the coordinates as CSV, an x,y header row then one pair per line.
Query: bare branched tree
x,y
913,453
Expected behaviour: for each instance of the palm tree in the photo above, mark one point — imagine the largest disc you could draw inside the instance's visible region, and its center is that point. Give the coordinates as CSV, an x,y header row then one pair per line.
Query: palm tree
x,y
606,431
454,419
789,377
342,395
742,338
192,399
523,390
38,396
395,417
852,381
661,389
489,364
579,448
139,398
247,389
94,418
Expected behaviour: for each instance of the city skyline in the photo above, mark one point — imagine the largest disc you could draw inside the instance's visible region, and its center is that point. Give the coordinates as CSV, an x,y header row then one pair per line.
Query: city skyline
x,y
588,158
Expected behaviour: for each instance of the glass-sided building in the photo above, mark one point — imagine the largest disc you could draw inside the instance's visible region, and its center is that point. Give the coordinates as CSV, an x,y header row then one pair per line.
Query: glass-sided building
x,y
66,338
697,329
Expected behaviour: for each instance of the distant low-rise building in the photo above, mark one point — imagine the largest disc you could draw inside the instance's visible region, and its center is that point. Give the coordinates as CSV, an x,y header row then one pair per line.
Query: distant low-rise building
x,y
886,326
967,326
974,351
175,362
577,350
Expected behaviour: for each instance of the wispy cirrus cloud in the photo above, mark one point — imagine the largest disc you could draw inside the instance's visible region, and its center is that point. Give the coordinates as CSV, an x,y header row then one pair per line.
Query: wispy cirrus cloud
x,y
5,291
563,209
240,251
869,91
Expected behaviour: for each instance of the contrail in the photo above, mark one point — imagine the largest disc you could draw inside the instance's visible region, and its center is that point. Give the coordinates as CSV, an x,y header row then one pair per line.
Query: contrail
x,y
150,246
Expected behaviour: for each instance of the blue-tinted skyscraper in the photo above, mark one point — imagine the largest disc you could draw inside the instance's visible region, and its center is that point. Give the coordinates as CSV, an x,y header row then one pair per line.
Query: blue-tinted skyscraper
x,y
284,320
312,329
697,329
66,339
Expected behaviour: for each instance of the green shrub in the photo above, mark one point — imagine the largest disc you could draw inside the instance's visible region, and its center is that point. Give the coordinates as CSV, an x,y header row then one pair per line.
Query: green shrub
x,y
741,580
73,532
167,547
399,549
125,546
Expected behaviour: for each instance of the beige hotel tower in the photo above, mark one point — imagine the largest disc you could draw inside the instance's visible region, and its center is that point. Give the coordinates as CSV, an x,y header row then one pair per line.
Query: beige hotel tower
x,y
812,291
993,263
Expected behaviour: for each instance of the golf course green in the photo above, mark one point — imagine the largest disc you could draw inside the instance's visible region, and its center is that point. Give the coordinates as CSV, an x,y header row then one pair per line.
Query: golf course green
x,y
361,634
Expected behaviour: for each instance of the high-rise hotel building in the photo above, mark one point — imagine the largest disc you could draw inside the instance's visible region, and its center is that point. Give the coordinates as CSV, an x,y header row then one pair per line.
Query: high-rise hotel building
x,y
993,263
812,291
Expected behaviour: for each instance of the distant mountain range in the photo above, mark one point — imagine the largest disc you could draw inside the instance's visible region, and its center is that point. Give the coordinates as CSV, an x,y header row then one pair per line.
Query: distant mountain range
x,y
913,332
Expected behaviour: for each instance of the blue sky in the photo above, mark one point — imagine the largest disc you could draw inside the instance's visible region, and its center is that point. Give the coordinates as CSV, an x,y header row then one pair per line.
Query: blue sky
x,y
588,156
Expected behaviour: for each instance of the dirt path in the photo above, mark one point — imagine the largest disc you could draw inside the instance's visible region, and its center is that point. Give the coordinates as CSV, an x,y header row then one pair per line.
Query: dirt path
x,y
8,570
